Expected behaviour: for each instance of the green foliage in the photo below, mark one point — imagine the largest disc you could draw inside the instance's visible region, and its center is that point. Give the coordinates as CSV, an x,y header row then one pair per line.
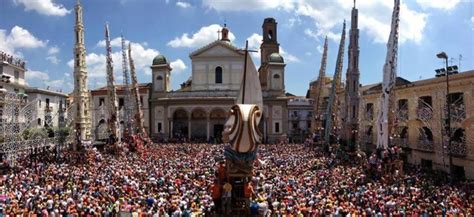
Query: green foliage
x,y
35,133
62,133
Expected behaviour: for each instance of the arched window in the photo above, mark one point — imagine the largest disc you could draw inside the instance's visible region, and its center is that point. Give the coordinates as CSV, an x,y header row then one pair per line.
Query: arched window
x,y
270,34
159,78
218,75
276,76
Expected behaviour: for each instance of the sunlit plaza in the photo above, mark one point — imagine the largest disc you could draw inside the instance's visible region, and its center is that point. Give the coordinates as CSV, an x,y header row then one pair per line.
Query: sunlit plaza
x,y
260,108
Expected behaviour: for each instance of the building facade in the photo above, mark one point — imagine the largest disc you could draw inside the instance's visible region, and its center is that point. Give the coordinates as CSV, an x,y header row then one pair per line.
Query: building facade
x,y
199,109
50,107
419,121
100,113
300,113
13,70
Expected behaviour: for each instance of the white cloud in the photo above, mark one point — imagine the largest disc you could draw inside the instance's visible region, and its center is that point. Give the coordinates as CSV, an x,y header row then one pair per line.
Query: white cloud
x,y
116,42
238,5
53,59
96,63
438,4
204,36
328,16
53,50
472,19
288,57
18,38
310,33
320,49
178,66
31,75
183,4
45,7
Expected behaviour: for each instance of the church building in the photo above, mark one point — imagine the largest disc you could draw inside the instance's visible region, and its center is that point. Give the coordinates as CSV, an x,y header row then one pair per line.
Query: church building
x,y
198,110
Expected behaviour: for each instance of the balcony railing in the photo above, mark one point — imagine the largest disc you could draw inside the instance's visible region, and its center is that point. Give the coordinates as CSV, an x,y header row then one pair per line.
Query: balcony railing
x,y
458,149
369,116
458,113
220,93
402,142
424,113
402,114
425,145
294,117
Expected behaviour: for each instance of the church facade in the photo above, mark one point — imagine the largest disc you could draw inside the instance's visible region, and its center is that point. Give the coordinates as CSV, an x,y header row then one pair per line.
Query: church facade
x,y
198,110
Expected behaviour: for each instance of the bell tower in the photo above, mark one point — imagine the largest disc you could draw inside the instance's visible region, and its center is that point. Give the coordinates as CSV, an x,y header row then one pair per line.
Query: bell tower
x,y
270,43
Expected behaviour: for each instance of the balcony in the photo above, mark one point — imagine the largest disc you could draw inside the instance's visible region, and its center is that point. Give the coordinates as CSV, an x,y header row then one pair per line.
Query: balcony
x,y
458,149
458,113
402,114
185,94
402,142
369,116
424,113
294,117
425,145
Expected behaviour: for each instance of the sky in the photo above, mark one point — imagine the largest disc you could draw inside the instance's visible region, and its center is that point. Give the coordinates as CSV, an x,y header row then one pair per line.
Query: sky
x,y
42,33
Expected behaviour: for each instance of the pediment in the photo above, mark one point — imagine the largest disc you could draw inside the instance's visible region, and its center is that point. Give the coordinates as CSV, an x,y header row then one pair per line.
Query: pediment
x,y
216,49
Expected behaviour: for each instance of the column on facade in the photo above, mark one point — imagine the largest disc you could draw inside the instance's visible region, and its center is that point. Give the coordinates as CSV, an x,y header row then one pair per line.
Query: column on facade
x,y
189,127
170,127
208,122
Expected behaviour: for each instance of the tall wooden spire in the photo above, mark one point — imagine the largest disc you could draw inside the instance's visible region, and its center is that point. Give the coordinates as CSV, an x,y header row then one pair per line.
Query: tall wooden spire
x,y
389,79
331,112
138,115
128,106
352,97
82,116
111,91
317,120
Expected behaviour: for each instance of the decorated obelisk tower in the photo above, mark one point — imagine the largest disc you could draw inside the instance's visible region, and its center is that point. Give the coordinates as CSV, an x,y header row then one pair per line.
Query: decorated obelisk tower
x,y
317,110
333,103
111,91
352,97
137,108
82,116
388,83
128,111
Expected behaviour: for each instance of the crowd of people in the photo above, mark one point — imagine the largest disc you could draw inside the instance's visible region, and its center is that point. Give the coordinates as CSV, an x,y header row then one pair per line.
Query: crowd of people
x,y
12,60
184,180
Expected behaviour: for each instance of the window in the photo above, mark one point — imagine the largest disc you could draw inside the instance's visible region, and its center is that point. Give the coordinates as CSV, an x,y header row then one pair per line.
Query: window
x,y
141,100
1,69
277,127
295,125
39,103
159,127
276,76
121,102
47,102
270,34
353,111
101,101
39,121
218,75
159,78
17,74
308,124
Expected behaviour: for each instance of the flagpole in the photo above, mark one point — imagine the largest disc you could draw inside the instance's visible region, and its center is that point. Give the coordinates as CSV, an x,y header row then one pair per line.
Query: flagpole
x,y
245,71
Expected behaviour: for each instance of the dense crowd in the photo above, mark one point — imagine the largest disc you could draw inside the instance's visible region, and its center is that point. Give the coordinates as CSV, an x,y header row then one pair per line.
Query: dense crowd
x,y
183,180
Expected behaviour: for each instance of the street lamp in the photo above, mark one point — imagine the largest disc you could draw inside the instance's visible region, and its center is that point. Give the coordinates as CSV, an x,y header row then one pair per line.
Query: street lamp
x,y
444,56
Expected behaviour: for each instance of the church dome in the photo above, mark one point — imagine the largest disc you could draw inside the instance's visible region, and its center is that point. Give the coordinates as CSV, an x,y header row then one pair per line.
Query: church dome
x,y
276,58
160,60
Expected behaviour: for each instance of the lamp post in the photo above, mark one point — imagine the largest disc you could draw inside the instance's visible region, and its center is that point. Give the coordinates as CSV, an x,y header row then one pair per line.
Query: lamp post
x,y
444,56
